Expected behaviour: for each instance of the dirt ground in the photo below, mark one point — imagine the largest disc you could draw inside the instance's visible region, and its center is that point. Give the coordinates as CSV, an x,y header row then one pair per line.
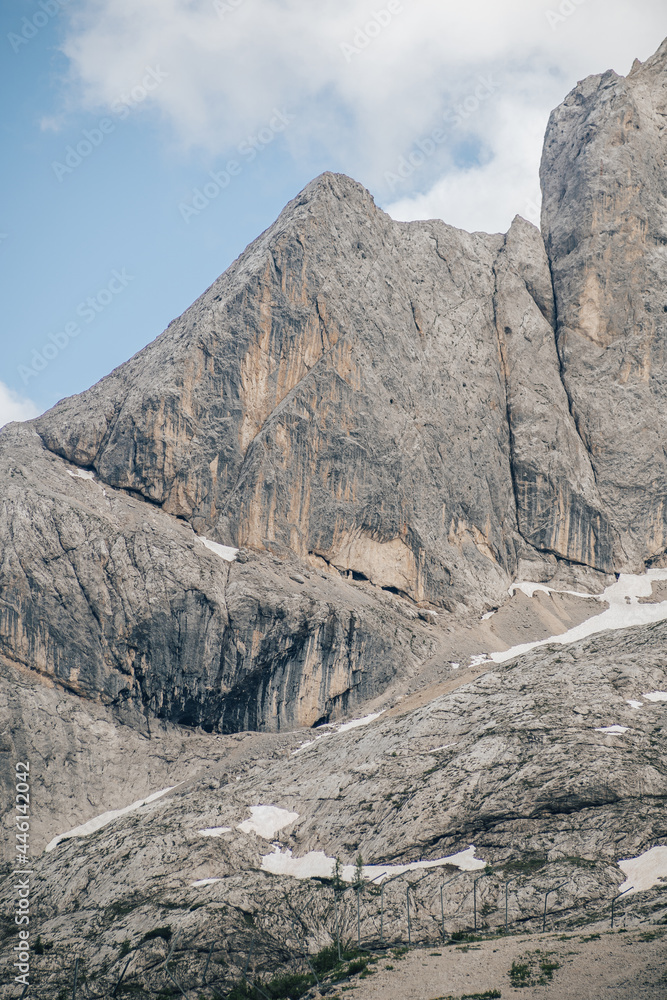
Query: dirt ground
x,y
621,965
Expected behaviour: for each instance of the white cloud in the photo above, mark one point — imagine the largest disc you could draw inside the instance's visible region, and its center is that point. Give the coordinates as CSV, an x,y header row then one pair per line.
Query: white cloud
x,y
361,111
15,407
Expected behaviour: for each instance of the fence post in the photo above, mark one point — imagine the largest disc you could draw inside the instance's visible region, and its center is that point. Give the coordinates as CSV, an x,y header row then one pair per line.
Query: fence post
x,y
546,896
207,961
382,917
122,975
358,920
507,882
337,925
177,984
76,974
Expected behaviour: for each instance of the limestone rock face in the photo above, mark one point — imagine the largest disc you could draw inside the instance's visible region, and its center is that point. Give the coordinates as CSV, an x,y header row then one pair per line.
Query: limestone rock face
x,y
110,598
559,508
516,763
336,393
408,405
348,391
604,221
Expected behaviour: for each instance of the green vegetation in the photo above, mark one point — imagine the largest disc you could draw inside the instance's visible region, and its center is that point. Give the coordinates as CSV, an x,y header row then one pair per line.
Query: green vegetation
x,y
463,936
520,975
547,969
358,882
524,972
292,986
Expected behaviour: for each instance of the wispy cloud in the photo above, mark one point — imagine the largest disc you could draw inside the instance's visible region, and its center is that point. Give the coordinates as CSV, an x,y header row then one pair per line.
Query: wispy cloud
x,y
15,407
363,112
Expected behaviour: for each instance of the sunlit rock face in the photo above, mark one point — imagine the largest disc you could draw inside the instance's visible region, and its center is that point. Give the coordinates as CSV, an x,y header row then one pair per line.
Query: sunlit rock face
x,y
604,221
405,406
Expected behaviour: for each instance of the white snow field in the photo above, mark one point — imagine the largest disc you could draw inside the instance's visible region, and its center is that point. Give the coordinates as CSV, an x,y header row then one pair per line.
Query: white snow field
x,y
102,820
613,730
318,864
225,552
214,831
656,696
81,474
265,821
624,610
644,871
333,729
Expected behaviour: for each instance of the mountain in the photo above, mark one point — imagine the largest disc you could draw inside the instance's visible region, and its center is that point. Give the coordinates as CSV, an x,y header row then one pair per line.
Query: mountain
x,y
308,499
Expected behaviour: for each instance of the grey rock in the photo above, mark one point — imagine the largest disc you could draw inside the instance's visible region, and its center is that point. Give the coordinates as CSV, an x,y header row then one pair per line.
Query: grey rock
x,y
404,405
503,763
119,602
604,221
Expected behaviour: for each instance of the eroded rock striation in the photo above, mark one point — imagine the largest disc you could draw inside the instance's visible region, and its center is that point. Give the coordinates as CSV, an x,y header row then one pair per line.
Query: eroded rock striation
x,y
427,410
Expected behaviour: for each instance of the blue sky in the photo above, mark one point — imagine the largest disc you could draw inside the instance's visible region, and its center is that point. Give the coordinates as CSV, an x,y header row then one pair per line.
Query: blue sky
x,y
439,111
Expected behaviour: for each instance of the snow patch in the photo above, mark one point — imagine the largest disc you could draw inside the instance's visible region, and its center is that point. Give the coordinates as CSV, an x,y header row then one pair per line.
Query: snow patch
x,y
205,881
624,611
529,588
358,722
635,704
214,831
455,666
316,864
656,696
335,729
445,747
99,821
225,552
613,730
644,871
489,614
265,821
476,661
81,474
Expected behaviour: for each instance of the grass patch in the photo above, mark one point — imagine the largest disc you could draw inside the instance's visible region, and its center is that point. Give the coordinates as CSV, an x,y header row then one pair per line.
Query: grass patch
x,y
547,968
520,975
650,935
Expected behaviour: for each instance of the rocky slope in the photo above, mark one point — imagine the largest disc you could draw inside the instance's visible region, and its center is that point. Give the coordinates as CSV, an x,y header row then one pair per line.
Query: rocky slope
x,y
514,762
295,505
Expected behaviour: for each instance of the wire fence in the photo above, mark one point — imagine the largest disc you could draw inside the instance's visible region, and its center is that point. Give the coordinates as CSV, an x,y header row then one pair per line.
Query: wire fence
x,y
399,912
